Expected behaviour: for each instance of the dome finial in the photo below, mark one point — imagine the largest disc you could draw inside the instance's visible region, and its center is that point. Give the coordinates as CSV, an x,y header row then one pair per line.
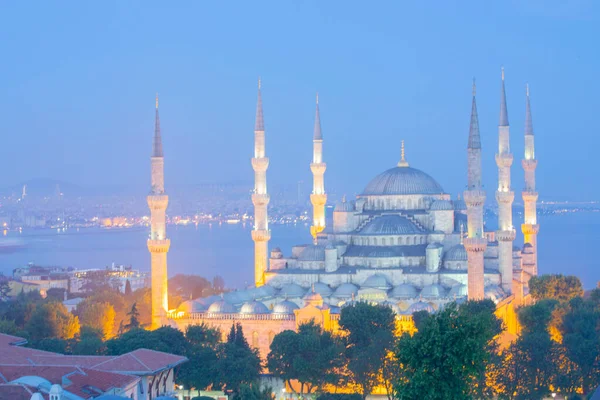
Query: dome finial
x,y
402,162
462,233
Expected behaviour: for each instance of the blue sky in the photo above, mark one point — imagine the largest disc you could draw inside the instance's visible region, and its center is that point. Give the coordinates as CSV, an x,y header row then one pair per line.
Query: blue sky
x,y
79,78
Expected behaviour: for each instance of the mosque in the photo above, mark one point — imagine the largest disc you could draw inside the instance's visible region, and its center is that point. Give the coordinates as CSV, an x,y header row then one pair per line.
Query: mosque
x,y
402,242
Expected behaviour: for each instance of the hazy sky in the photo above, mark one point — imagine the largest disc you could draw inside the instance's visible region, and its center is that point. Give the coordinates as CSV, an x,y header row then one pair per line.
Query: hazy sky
x,y
78,79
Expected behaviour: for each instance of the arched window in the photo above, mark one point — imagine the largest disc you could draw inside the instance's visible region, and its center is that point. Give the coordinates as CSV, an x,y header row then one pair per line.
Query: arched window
x,y
383,241
375,241
409,205
255,339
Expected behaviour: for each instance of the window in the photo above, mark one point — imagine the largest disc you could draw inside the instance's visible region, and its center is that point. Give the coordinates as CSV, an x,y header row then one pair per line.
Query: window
x,y
255,339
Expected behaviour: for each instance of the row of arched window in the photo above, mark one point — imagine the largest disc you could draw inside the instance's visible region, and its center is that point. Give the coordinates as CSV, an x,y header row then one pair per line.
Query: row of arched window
x,y
396,204
389,241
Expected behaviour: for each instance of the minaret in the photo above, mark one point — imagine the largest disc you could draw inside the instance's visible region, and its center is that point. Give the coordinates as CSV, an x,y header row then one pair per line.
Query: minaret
x,y
318,198
506,232
474,197
261,233
530,228
158,244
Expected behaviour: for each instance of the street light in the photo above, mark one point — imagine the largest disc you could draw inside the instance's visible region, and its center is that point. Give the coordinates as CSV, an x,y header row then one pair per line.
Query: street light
x,y
553,395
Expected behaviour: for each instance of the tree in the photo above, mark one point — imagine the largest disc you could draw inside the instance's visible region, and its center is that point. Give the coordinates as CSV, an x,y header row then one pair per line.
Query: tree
x,y
447,358
133,314
581,340
21,308
218,284
369,336
4,288
557,287
8,327
98,316
529,365
52,320
189,286
311,356
128,290
55,294
89,343
254,392
237,363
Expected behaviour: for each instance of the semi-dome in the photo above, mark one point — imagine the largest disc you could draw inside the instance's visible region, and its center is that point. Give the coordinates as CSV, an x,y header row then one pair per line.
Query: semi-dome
x,y
404,291
493,292
434,291
391,225
286,307
345,290
527,248
254,307
221,307
459,290
460,205
402,180
262,292
376,281
344,206
312,253
456,253
191,306
442,205
322,288
420,306
292,290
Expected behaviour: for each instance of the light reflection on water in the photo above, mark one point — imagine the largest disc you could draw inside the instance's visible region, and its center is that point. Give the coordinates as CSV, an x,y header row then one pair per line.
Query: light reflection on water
x,y
565,246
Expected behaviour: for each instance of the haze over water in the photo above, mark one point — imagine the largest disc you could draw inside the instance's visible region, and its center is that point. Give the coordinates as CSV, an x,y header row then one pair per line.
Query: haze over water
x,y
565,244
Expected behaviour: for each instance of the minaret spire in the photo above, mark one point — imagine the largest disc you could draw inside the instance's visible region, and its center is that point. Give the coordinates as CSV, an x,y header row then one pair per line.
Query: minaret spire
x,y
158,244
318,198
474,197
260,198
530,227
504,196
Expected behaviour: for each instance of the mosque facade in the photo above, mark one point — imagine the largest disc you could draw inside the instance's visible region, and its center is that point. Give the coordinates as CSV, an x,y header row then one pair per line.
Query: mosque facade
x,y
403,242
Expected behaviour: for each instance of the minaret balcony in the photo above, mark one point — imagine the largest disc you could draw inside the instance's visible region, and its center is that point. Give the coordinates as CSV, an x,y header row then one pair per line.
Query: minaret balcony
x,y
506,236
260,199
475,245
529,165
260,164
474,198
158,201
530,197
159,246
505,197
530,229
318,199
504,160
261,235
318,168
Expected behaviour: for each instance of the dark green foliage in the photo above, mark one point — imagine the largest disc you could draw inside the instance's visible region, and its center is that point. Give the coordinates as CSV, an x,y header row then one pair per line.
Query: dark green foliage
x,y
201,369
557,287
52,344
311,356
55,294
4,288
20,308
89,343
134,318
339,396
52,320
253,392
202,398
369,338
448,357
128,290
237,364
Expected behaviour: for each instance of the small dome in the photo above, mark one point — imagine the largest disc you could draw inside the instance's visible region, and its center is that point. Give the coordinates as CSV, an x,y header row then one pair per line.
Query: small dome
x,y
345,290
276,250
456,253
262,292
527,248
56,389
458,291
330,246
292,290
402,180
312,253
191,306
404,291
254,307
285,308
460,205
314,299
516,248
376,281
236,297
323,289
434,291
420,306
435,245
442,205
390,225
344,206
221,307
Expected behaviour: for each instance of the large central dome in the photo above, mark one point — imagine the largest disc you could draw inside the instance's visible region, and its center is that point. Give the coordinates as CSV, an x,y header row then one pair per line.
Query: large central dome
x,y
402,180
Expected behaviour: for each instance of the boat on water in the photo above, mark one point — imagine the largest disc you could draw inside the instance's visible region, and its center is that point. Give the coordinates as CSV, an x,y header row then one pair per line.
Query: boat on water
x,y
233,221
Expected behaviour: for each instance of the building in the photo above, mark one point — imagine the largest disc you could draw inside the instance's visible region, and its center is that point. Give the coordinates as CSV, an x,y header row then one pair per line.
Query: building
x,y
117,275
139,375
402,242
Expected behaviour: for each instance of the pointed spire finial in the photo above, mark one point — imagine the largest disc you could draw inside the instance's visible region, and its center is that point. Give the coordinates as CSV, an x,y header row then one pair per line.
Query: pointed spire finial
x,y
402,162
317,135
528,122
527,89
503,108
474,137
474,88
157,149
259,124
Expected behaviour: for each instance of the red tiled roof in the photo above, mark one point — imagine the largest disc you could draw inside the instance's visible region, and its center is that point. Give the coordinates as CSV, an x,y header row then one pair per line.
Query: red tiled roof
x,y
16,392
6,340
141,361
